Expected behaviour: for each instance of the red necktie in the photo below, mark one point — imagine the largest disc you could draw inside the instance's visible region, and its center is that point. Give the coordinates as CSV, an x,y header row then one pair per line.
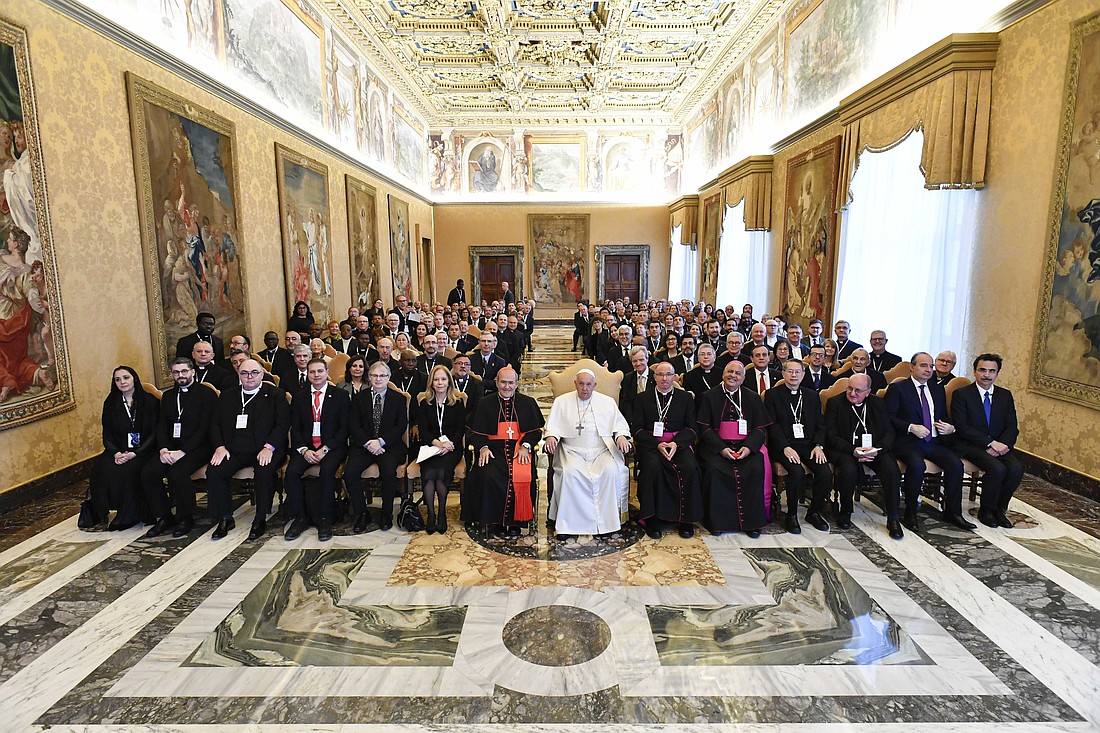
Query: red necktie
x,y
316,417
763,387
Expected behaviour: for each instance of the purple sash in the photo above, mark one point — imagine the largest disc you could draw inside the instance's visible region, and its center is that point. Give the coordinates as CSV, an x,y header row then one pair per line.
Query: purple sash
x,y
667,437
727,430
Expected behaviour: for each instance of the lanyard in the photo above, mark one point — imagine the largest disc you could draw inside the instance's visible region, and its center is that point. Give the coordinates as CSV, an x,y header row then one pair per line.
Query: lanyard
x,y
244,402
703,376
661,413
313,404
861,418
796,410
439,410
179,406
462,385
735,404
129,412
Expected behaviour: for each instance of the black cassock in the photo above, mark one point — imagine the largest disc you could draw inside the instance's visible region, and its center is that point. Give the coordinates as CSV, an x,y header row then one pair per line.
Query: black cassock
x,y
733,490
667,490
490,496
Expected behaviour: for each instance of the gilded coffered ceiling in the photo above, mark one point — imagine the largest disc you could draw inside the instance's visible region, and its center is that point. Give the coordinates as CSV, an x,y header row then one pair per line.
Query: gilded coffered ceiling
x,y
549,62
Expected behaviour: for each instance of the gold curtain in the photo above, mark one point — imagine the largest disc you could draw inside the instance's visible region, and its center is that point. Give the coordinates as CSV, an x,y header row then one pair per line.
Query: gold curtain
x,y
683,212
756,190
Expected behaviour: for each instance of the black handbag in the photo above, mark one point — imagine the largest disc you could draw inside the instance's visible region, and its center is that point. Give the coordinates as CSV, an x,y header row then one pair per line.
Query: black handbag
x,y
408,516
88,517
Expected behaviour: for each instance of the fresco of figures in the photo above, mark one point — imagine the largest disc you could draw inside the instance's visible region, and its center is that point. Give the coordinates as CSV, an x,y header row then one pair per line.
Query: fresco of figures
x,y
304,216
559,252
363,243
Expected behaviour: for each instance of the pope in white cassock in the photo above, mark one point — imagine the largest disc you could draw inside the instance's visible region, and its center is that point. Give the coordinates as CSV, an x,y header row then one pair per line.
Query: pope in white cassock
x,y
586,437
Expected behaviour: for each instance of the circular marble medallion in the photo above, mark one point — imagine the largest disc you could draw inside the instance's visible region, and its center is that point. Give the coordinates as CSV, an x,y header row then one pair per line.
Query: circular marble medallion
x,y
556,636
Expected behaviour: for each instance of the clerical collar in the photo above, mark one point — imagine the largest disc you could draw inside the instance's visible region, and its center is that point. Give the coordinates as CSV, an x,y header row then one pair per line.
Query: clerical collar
x,y
666,394
250,392
794,391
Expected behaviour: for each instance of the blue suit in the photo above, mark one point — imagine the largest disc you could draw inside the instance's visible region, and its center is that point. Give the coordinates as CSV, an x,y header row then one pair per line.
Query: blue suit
x,y
904,406
1002,474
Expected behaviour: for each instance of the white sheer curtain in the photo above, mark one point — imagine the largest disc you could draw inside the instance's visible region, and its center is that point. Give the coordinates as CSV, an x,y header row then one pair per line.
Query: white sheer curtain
x,y
742,262
905,255
683,279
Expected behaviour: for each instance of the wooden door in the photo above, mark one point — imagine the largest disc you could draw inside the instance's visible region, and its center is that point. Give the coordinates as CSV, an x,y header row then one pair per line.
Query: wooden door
x,y
492,271
622,277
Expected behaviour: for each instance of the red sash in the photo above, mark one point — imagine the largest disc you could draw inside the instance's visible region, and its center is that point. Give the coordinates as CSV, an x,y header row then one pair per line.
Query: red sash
x,y
519,474
502,431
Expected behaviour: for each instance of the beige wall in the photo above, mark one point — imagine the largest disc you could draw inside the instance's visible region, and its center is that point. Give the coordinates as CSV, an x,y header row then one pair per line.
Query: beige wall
x,y
460,226
85,132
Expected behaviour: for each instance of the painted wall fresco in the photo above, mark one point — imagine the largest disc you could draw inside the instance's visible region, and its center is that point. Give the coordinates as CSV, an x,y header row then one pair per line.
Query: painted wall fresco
x,y
558,247
363,243
400,247
304,216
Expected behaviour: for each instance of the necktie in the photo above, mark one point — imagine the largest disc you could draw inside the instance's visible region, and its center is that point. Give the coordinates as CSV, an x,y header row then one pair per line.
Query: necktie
x,y
316,416
988,407
641,384
763,385
925,413
817,381
377,414
301,380
689,362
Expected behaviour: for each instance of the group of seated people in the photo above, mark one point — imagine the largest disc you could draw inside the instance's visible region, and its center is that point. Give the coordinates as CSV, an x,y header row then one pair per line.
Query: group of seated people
x,y
730,406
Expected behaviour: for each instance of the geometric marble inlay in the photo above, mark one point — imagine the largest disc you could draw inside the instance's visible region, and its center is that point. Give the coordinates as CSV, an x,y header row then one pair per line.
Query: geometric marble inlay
x,y
39,564
556,636
1069,555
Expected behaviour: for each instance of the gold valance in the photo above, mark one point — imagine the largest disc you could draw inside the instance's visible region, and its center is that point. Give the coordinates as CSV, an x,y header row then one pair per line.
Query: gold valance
x,y
751,181
683,212
945,92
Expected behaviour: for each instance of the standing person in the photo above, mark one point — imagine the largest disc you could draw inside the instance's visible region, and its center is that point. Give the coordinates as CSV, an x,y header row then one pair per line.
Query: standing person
x,y
582,328
881,360
817,377
249,430
636,382
183,436
485,362
844,345
318,437
527,324
301,318
441,422
507,297
379,419
457,296
129,420
204,331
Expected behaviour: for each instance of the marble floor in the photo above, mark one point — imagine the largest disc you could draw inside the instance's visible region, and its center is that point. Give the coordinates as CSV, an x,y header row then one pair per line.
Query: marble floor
x,y
993,630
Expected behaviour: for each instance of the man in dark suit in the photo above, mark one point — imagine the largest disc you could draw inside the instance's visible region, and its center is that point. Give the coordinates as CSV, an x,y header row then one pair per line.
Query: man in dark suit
x,y
248,430
881,359
485,362
516,340
734,351
844,345
985,417
318,437
204,325
431,356
705,376
457,294
796,439
202,354
858,432
794,336
507,296
467,382
237,342
400,309
361,346
467,342
814,334
600,343
918,411
582,326
618,355
712,334
271,342
945,362
685,361
654,340
817,377
294,376
761,377
861,364
638,381
282,360
527,322
379,419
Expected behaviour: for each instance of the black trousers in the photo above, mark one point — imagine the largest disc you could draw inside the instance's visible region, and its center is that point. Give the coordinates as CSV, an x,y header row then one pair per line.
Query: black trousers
x,y
180,492
314,504
359,460
217,483
1001,477
818,475
913,455
848,469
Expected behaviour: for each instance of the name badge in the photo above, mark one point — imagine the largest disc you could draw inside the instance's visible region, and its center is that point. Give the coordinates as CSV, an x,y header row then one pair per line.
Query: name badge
x,y
865,441
743,426
799,431
444,439
133,440
242,422
659,429
177,429
317,428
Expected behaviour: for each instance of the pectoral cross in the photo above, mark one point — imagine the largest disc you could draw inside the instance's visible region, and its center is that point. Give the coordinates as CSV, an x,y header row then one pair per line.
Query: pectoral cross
x,y
510,432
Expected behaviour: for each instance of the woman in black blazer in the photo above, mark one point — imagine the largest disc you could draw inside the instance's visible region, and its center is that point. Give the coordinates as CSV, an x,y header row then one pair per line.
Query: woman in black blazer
x,y
441,421
129,440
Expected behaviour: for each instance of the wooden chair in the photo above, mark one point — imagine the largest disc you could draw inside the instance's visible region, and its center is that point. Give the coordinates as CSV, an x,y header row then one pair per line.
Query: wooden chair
x,y
330,352
474,331
837,387
338,366
263,362
901,371
843,368
972,475
152,389
450,353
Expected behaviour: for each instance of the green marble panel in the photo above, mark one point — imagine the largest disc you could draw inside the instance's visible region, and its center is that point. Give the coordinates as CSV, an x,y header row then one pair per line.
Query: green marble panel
x,y
1069,555
820,616
293,617
38,564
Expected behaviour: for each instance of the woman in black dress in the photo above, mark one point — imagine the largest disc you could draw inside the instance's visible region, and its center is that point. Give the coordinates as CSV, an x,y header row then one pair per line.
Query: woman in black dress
x,y
441,419
129,426
301,319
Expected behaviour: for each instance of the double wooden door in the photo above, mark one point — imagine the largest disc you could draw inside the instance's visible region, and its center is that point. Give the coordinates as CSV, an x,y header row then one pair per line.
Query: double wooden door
x,y
622,277
492,271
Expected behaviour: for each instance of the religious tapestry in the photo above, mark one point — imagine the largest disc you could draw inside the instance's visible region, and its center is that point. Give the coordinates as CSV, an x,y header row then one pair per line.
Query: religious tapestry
x,y
1066,359
400,248
363,243
708,257
558,247
34,368
304,215
809,234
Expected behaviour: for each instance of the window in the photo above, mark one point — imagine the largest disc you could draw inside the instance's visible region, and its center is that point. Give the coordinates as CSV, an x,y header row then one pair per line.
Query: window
x,y
742,262
683,276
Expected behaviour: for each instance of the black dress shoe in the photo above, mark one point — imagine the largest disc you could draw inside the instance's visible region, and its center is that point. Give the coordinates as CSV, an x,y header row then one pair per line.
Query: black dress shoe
x,y
513,531
687,531
294,531
441,526
361,522
117,526
817,521
844,521
163,525
259,527
224,527
753,533
987,517
910,522
893,526
324,530
385,524
1002,520
957,520
183,527
652,530
429,529
792,524
564,537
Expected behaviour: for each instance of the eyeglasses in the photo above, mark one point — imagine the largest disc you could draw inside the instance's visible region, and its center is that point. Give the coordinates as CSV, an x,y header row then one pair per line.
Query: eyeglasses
x,y
251,373
180,372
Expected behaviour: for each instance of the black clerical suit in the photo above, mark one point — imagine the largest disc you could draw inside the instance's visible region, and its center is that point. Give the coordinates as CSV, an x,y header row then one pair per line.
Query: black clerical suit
x,y
699,382
215,376
471,387
393,422
334,422
186,343
844,425
734,491
456,296
466,344
668,490
411,383
369,354
843,351
787,409
904,405
884,362
1001,474
192,408
878,380
425,364
268,422
487,369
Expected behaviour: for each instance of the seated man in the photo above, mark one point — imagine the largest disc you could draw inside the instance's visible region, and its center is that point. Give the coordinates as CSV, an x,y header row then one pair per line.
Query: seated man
x,y
985,417
733,423
294,376
735,344
761,377
379,419
861,364
817,377
586,438
858,431
704,376
318,437
485,362
249,429
503,432
881,359
202,354
684,362
945,362
796,439
636,382
918,411
431,356
408,378
466,382
662,422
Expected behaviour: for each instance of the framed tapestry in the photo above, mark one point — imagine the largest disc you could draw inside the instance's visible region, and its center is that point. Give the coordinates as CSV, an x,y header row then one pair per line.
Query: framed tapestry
x,y
185,166
34,369
558,247
363,242
1065,361
708,257
304,216
400,247
809,234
